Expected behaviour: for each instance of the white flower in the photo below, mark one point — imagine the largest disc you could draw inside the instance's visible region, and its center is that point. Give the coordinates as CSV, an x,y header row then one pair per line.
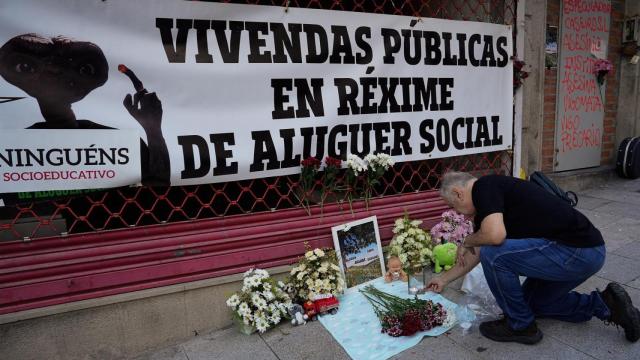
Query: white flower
x,y
243,307
268,295
259,302
355,163
301,275
273,308
233,301
261,274
308,254
261,324
318,252
371,159
416,223
450,320
275,319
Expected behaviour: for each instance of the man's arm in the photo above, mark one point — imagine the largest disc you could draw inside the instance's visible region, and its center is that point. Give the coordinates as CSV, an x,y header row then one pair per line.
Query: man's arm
x,y
492,232
462,268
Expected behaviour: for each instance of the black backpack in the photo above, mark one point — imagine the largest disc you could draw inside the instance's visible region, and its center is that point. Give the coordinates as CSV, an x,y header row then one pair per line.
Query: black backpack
x,y
544,182
628,160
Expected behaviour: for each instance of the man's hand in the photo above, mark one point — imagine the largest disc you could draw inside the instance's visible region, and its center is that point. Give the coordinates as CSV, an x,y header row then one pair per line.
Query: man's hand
x,y
436,284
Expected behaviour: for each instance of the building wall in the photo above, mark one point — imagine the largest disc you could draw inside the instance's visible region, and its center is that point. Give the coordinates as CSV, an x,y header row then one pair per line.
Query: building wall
x,y
121,326
534,85
628,121
612,95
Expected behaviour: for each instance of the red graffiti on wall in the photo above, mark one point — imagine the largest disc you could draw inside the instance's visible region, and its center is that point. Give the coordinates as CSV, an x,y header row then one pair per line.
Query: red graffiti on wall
x,y
573,136
585,28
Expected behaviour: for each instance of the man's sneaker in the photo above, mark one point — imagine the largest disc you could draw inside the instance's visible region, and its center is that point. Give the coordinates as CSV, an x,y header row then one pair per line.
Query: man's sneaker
x,y
499,330
623,313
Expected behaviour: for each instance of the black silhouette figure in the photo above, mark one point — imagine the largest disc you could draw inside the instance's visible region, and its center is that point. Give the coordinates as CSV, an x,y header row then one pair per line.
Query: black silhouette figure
x,y
59,71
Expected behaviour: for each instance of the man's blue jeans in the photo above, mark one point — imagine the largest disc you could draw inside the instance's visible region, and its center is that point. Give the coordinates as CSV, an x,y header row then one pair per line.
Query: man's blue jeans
x,y
552,271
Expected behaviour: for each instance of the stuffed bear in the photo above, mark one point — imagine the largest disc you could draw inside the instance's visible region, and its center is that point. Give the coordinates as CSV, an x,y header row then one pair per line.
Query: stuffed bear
x,y
297,314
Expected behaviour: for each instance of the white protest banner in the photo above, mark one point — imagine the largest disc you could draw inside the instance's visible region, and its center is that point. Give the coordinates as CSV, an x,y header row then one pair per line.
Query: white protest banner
x,y
223,92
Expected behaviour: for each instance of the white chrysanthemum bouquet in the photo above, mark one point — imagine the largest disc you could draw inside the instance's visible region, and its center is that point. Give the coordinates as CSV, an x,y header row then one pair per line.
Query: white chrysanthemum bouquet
x,y
411,244
317,273
372,167
262,303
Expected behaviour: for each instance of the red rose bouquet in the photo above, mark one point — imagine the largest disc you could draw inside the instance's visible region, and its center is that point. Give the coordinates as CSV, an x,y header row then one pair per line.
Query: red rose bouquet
x,y
404,317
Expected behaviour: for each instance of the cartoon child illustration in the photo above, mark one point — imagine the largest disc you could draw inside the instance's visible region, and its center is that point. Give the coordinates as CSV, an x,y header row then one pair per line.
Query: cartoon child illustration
x,y
59,71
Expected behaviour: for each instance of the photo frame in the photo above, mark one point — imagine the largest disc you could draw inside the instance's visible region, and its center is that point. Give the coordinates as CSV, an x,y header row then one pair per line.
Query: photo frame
x,y
630,30
359,251
551,47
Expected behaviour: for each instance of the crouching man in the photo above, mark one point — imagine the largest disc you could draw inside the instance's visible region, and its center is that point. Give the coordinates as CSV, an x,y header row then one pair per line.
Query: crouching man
x,y
522,230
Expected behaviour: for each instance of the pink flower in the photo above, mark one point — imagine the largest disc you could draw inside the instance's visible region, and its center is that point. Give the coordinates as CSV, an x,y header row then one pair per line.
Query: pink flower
x,y
602,65
453,227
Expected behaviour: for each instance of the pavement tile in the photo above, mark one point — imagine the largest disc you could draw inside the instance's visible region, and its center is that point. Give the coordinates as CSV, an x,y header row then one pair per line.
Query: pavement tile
x,y
620,185
598,283
441,348
636,285
590,203
614,241
592,337
615,195
170,353
310,341
630,250
599,219
548,348
228,344
620,209
623,228
620,269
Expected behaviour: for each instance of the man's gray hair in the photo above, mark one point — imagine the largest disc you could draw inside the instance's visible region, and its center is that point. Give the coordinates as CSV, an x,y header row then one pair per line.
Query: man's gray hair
x,y
451,179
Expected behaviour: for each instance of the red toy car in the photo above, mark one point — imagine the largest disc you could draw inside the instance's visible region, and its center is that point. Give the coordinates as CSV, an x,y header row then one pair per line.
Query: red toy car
x,y
321,304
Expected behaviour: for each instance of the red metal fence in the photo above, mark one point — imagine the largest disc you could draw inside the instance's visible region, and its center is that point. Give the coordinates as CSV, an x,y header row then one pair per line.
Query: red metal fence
x,y
142,206
129,239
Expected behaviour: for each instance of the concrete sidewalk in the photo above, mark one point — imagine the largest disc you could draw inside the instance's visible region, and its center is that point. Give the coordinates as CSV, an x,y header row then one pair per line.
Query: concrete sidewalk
x,y
614,208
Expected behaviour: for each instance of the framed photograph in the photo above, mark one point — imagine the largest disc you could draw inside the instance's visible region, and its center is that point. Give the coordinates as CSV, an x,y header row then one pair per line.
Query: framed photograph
x,y
551,47
359,251
630,30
